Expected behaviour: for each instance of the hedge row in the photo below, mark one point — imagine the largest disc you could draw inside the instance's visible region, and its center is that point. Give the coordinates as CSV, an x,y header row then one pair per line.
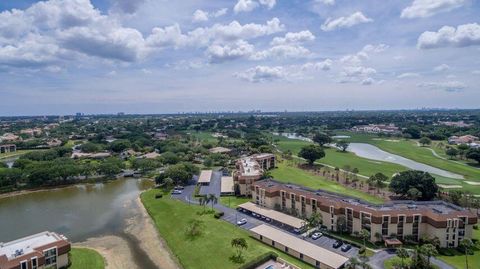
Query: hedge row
x,y
260,260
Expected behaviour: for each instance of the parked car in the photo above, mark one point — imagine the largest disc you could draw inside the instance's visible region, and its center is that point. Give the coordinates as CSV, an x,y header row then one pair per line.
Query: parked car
x,y
299,230
337,244
268,219
316,235
346,247
179,187
176,192
242,221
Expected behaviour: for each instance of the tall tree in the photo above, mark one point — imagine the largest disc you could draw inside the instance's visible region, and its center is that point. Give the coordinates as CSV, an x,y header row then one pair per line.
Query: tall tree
x,y
322,139
402,254
342,144
239,244
402,182
364,234
311,153
425,141
428,250
467,245
473,154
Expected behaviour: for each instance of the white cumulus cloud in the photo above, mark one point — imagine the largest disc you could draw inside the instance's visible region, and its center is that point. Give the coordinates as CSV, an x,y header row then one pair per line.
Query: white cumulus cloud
x,y
441,68
262,73
220,53
463,36
449,86
345,22
428,8
249,5
408,75
293,38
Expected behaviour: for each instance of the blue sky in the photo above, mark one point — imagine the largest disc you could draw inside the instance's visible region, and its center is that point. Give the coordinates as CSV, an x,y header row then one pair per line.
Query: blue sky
x,y
159,56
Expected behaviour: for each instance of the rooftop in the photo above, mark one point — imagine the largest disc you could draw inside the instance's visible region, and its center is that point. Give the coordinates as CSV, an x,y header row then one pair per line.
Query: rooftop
x,y
437,207
320,254
28,244
205,176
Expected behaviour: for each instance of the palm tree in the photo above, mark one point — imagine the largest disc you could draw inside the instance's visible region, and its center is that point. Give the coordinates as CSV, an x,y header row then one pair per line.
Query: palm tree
x,y
352,263
364,234
239,244
212,199
314,221
364,262
203,200
466,244
428,250
402,254
371,182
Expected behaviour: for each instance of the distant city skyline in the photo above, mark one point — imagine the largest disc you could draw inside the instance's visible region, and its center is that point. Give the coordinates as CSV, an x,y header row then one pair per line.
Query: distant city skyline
x,y
156,56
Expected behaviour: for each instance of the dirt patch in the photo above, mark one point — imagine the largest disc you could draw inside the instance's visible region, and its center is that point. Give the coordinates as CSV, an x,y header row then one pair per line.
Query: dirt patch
x,y
143,229
114,250
444,186
139,227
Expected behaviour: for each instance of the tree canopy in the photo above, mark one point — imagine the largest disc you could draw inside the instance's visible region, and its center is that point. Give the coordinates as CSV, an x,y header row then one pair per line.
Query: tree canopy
x,y
311,153
414,184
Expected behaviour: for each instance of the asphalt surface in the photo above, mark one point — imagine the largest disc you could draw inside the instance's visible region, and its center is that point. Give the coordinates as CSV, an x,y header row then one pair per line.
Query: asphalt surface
x,y
377,260
232,215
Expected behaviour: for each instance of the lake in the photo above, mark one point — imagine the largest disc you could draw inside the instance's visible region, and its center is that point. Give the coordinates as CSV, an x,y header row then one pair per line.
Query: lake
x,y
374,153
79,212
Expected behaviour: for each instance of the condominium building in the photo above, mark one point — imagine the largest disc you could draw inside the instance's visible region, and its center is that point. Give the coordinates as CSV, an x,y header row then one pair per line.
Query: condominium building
x,y
397,219
251,169
38,251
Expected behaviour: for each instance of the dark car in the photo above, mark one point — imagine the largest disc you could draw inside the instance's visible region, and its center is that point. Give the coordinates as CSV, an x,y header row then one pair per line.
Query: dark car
x,y
337,244
346,247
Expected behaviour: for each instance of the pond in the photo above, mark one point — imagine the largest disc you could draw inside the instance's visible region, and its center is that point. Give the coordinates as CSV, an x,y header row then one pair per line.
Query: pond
x,y
80,212
369,151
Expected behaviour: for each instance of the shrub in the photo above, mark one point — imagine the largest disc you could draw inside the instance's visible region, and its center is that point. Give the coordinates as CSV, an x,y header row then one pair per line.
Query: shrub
x,y
158,196
260,260
218,215
446,252
361,250
475,227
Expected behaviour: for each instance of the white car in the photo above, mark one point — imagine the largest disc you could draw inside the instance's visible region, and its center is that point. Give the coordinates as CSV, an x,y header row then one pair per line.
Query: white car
x,y
316,235
242,221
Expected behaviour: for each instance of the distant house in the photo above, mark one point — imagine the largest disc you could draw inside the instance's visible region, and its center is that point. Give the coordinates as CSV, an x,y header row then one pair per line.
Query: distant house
x,y
54,143
160,136
42,250
460,124
377,128
99,155
220,150
9,137
465,139
151,155
128,153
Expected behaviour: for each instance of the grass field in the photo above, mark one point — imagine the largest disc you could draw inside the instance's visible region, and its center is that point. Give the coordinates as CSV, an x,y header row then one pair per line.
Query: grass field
x,y
409,149
458,261
232,201
290,174
388,264
83,258
14,154
335,158
212,248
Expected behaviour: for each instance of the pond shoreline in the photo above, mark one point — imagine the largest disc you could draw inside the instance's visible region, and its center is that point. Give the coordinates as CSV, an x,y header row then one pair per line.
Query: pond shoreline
x,y
117,250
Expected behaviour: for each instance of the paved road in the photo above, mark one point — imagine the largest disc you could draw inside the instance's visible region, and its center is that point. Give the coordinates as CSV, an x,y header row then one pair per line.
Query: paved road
x,y
231,215
377,260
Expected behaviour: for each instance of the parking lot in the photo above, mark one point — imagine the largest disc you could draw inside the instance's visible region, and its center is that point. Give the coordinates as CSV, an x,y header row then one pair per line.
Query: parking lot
x,y
232,216
324,241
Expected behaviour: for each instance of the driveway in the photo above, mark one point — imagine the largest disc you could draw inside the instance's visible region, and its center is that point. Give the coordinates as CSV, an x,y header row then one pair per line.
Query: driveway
x,y
377,260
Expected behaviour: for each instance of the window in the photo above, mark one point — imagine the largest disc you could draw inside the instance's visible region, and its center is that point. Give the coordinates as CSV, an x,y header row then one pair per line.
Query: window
x,y
50,256
261,237
286,249
301,256
23,265
34,263
273,243
317,264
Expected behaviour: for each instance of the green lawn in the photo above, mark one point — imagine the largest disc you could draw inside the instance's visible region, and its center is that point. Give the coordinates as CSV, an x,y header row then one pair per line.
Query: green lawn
x,y
458,261
212,248
290,174
232,201
335,158
84,258
14,154
409,149
388,264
